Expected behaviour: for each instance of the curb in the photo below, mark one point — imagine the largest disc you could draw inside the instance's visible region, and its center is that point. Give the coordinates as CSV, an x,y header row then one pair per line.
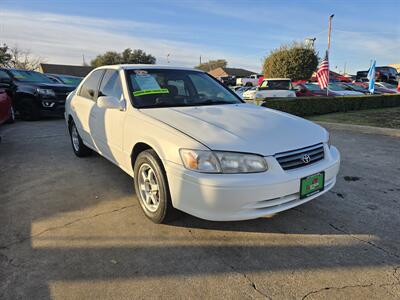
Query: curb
x,y
362,129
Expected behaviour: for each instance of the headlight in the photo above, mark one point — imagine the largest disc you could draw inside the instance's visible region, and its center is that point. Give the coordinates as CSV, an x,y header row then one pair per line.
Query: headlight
x,y
46,92
199,160
222,162
329,139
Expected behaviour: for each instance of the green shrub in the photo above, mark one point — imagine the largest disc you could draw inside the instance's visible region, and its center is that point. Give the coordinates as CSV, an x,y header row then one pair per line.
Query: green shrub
x,y
308,106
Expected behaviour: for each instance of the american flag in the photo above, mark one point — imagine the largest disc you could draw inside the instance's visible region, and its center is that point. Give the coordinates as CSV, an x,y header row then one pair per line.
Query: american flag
x,y
323,72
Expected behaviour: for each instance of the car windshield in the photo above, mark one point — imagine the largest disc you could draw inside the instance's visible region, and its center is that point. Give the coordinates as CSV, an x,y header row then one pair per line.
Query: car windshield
x,y
335,87
357,88
70,80
30,76
275,85
169,88
313,87
387,85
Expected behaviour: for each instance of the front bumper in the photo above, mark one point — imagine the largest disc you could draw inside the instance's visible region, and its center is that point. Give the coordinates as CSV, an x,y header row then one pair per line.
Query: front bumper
x,y
230,197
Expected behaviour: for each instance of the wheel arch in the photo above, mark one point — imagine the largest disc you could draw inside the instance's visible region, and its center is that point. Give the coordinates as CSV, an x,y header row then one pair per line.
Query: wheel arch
x,y
141,146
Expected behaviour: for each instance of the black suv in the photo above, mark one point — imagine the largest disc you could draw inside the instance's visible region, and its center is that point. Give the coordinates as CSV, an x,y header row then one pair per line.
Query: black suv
x,y
33,94
383,74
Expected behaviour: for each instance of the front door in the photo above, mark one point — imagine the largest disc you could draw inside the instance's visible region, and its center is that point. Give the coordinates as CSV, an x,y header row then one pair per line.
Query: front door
x,y
108,129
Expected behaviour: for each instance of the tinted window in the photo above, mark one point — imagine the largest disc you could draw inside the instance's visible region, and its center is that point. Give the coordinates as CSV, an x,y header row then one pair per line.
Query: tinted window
x,y
275,85
29,76
89,87
111,85
4,74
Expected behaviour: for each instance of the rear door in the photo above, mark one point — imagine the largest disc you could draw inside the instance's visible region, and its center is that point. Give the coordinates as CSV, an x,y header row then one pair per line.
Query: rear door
x,y
82,106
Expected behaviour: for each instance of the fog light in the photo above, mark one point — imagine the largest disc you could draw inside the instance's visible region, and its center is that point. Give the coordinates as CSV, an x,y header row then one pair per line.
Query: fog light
x,y
48,103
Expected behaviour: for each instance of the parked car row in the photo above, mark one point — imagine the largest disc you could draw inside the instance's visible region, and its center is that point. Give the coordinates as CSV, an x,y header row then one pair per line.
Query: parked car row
x,y
34,94
283,88
382,74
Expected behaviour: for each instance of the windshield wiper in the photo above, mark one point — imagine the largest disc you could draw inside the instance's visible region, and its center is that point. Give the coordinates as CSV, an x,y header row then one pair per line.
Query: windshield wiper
x,y
210,102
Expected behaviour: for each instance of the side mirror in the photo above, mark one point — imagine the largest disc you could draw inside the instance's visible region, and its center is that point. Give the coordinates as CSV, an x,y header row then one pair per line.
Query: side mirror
x,y
110,102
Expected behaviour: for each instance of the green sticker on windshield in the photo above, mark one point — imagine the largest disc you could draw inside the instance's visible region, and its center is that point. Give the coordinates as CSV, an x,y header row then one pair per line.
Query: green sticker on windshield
x,y
150,92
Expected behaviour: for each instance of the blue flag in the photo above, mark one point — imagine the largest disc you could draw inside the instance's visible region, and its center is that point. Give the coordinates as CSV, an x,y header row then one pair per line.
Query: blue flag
x,y
371,78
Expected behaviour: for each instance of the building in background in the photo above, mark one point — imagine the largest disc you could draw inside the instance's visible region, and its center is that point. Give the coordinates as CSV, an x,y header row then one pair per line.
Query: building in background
x,y
79,71
230,72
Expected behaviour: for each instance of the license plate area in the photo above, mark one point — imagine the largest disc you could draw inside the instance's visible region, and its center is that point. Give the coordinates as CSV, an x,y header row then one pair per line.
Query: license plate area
x,y
312,185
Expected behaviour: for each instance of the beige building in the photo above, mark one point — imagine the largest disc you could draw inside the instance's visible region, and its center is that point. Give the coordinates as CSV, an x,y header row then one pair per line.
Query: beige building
x,y
397,66
227,72
80,71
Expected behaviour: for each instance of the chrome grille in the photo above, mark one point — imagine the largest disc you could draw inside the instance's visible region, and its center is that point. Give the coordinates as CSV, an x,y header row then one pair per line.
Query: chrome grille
x,y
294,159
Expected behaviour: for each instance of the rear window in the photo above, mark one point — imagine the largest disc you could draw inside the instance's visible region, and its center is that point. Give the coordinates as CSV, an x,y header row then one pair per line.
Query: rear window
x,y
275,85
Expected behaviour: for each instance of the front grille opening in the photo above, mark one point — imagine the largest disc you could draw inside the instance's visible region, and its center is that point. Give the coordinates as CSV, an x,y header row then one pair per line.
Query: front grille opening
x,y
301,157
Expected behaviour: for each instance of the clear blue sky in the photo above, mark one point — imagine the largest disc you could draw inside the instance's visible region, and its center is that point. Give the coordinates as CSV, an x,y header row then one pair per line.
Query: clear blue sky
x,y
243,32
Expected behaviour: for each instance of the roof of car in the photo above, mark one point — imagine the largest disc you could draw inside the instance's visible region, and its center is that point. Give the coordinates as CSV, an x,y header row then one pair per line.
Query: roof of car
x,y
144,67
277,79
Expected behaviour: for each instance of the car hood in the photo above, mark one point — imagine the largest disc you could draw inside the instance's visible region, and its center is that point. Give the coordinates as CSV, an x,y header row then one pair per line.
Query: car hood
x,y
241,127
348,93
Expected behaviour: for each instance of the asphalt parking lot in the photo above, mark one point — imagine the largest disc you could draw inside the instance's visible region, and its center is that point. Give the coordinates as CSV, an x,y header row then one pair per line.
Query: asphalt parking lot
x,y
71,228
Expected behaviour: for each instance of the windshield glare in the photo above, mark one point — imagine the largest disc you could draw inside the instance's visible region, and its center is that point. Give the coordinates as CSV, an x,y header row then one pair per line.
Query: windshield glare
x,y
70,80
29,76
335,87
313,87
166,88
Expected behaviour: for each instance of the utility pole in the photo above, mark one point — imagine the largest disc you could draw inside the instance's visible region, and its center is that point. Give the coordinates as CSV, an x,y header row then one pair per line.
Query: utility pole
x,y
329,46
168,58
329,31
200,61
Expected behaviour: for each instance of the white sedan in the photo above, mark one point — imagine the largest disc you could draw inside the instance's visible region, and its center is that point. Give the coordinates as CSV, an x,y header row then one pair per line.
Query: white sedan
x,y
192,145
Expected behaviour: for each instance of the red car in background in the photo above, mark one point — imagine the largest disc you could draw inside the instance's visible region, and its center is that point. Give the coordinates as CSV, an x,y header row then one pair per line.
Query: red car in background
x,y
6,109
310,90
378,90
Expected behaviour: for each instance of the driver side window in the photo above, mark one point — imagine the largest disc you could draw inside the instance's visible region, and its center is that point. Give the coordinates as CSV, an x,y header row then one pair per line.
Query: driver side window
x,y
111,85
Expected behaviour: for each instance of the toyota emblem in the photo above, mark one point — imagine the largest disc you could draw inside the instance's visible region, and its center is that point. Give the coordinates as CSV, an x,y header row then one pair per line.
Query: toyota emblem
x,y
306,158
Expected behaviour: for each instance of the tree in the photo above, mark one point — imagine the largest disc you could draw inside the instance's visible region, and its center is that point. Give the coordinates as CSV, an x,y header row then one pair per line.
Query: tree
x,y
5,56
212,64
23,59
127,56
137,56
16,57
108,58
296,61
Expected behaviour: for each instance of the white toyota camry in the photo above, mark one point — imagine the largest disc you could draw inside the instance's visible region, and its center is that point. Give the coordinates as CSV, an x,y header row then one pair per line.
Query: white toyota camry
x,y
193,145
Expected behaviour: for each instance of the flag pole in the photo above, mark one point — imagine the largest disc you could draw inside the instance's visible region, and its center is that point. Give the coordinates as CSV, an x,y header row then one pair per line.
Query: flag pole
x,y
329,46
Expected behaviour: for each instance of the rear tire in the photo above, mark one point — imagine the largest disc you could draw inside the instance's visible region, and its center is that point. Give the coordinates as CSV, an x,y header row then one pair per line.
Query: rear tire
x,y
80,149
152,190
28,110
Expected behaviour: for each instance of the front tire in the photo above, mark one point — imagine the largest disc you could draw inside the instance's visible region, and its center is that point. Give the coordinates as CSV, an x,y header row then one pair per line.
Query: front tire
x,y
80,149
151,186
